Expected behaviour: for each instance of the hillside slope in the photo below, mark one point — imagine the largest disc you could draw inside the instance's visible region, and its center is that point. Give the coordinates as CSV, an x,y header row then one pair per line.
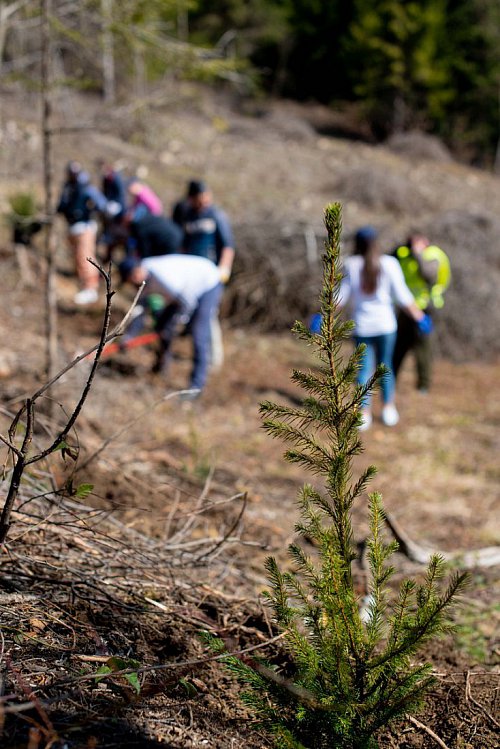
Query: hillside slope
x,y
273,168
189,499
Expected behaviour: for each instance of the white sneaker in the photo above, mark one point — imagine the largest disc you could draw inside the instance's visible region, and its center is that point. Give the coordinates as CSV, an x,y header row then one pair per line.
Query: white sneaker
x,y
390,416
86,296
366,421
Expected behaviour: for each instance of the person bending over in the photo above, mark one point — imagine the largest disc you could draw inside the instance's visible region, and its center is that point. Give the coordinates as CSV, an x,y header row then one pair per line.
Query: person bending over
x,y
191,289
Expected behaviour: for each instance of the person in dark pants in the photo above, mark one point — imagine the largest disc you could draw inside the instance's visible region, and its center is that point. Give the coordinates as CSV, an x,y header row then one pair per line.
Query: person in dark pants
x,y
426,270
191,290
207,233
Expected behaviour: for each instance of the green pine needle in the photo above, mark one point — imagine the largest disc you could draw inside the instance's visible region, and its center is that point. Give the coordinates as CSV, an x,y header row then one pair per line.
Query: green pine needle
x,y
352,673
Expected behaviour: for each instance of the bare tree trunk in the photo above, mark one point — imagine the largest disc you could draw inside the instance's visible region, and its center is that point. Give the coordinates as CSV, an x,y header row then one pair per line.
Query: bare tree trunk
x,y
108,58
182,21
399,113
50,286
140,72
496,165
3,35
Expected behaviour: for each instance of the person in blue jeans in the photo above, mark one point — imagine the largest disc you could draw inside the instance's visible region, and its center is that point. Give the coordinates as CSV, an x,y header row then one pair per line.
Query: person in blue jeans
x,y
207,233
372,285
191,289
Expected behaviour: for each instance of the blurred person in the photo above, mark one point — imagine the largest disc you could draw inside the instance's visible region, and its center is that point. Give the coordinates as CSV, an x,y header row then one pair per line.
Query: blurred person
x,y
151,235
143,201
78,203
190,289
373,283
179,211
426,270
113,188
207,233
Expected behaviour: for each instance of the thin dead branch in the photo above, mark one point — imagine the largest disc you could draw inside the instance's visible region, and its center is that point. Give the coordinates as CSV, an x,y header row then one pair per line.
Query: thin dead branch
x,y
485,557
468,696
22,459
427,730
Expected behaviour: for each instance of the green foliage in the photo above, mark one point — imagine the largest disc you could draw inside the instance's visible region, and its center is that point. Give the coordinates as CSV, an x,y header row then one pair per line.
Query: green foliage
x,y
23,204
349,674
83,490
396,61
473,49
116,664
23,209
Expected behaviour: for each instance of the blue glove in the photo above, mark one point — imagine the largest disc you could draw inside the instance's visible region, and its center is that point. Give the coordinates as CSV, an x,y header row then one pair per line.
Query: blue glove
x,y
425,325
315,323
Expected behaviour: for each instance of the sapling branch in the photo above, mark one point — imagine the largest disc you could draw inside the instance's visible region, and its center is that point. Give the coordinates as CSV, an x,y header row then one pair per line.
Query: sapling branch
x,y
352,674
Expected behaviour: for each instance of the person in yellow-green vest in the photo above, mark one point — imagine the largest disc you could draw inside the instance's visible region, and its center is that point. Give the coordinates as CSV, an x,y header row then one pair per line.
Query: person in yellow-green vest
x,y
426,269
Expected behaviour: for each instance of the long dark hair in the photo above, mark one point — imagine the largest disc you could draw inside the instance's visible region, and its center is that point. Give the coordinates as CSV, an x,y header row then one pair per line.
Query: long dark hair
x,y
367,246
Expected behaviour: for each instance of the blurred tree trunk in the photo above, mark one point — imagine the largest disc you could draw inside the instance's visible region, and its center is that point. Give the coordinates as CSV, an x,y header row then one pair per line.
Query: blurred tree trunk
x,y
50,286
139,71
108,54
496,165
182,22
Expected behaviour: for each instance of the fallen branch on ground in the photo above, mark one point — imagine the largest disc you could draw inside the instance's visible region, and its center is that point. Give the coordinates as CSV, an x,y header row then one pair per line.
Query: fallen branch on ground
x,y
486,557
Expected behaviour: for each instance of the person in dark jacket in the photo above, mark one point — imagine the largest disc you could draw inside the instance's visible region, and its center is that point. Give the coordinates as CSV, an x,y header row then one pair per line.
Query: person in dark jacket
x,y
207,233
154,235
114,232
78,203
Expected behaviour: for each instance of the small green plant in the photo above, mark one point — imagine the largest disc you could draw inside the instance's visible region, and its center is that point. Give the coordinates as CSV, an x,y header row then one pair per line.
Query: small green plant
x,y
116,665
23,206
23,217
348,675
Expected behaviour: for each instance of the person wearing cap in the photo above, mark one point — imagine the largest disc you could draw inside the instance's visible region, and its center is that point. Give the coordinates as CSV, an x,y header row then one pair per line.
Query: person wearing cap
x,y
372,284
191,289
207,233
78,203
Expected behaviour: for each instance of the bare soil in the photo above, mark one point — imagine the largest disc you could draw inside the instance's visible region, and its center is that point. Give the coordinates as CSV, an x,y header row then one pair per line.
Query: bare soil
x,y
175,477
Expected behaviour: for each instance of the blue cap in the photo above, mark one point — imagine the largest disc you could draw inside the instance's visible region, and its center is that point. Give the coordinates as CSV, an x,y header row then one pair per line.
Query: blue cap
x,y
366,234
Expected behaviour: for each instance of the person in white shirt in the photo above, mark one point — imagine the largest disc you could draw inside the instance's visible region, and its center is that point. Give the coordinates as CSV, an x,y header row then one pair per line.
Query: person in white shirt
x,y
372,284
191,289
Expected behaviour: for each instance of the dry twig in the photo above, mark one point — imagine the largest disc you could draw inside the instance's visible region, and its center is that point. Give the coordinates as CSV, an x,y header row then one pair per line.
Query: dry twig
x,y
427,730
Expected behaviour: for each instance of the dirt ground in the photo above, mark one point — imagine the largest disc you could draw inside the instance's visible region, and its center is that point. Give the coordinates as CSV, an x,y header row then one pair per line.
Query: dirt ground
x,y
188,500
438,472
